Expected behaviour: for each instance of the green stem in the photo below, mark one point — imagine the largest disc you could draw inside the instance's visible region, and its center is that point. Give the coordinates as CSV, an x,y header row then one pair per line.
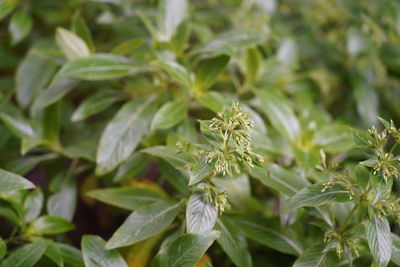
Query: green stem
x,y
348,217
341,228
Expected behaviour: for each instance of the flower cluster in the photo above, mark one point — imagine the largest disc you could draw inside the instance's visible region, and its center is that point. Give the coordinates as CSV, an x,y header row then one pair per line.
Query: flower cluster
x,y
233,129
340,243
388,207
342,180
215,196
385,163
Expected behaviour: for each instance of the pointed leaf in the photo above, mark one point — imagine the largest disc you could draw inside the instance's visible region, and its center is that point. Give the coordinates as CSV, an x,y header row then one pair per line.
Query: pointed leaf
x,y
33,75
96,255
170,114
212,100
209,71
201,170
54,253
233,243
33,205
99,67
71,255
71,45
10,182
20,26
279,112
379,239
313,196
26,256
168,154
144,223
80,28
49,225
185,251
201,216
127,197
316,257
171,15
95,103
175,70
282,180
123,133
257,229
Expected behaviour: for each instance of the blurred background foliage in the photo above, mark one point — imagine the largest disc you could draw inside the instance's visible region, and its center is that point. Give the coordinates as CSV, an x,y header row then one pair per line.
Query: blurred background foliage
x,y
325,63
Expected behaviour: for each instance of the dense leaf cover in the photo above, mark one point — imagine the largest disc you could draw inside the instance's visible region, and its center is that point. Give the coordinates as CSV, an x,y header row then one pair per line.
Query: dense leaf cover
x,y
177,133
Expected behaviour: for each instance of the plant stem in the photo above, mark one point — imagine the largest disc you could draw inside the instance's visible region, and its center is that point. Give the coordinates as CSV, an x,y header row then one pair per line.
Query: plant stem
x,y
348,216
341,228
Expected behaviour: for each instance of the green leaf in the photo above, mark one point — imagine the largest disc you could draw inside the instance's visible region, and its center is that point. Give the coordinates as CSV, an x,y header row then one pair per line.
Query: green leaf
x,y
33,74
201,169
233,243
33,205
367,101
51,123
136,163
99,67
313,196
252,68
10,214
123,133
10,182
49,225
334,137
96,103
306,159
23,165
6,6
379,239
96,255
168,154
128,46
279,112
232,42
26,256
212,100
63,202
144,223
20,126
395,257
282,180
171,14
185,251
257,229
80,28
71,45
175,70
174,177
170,114
3,248
127,197
57,89
20,26
70,255
54,253
316,257
208,72
201,215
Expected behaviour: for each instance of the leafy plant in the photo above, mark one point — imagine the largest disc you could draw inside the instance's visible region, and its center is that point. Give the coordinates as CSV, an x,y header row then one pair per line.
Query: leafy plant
x,y
199,133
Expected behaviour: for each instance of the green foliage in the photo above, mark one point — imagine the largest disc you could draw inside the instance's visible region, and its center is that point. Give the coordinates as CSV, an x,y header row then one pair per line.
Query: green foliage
x,y
199,133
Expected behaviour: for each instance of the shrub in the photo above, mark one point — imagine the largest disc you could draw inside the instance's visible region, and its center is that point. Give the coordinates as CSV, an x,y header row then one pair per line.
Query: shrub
x,y
191,133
